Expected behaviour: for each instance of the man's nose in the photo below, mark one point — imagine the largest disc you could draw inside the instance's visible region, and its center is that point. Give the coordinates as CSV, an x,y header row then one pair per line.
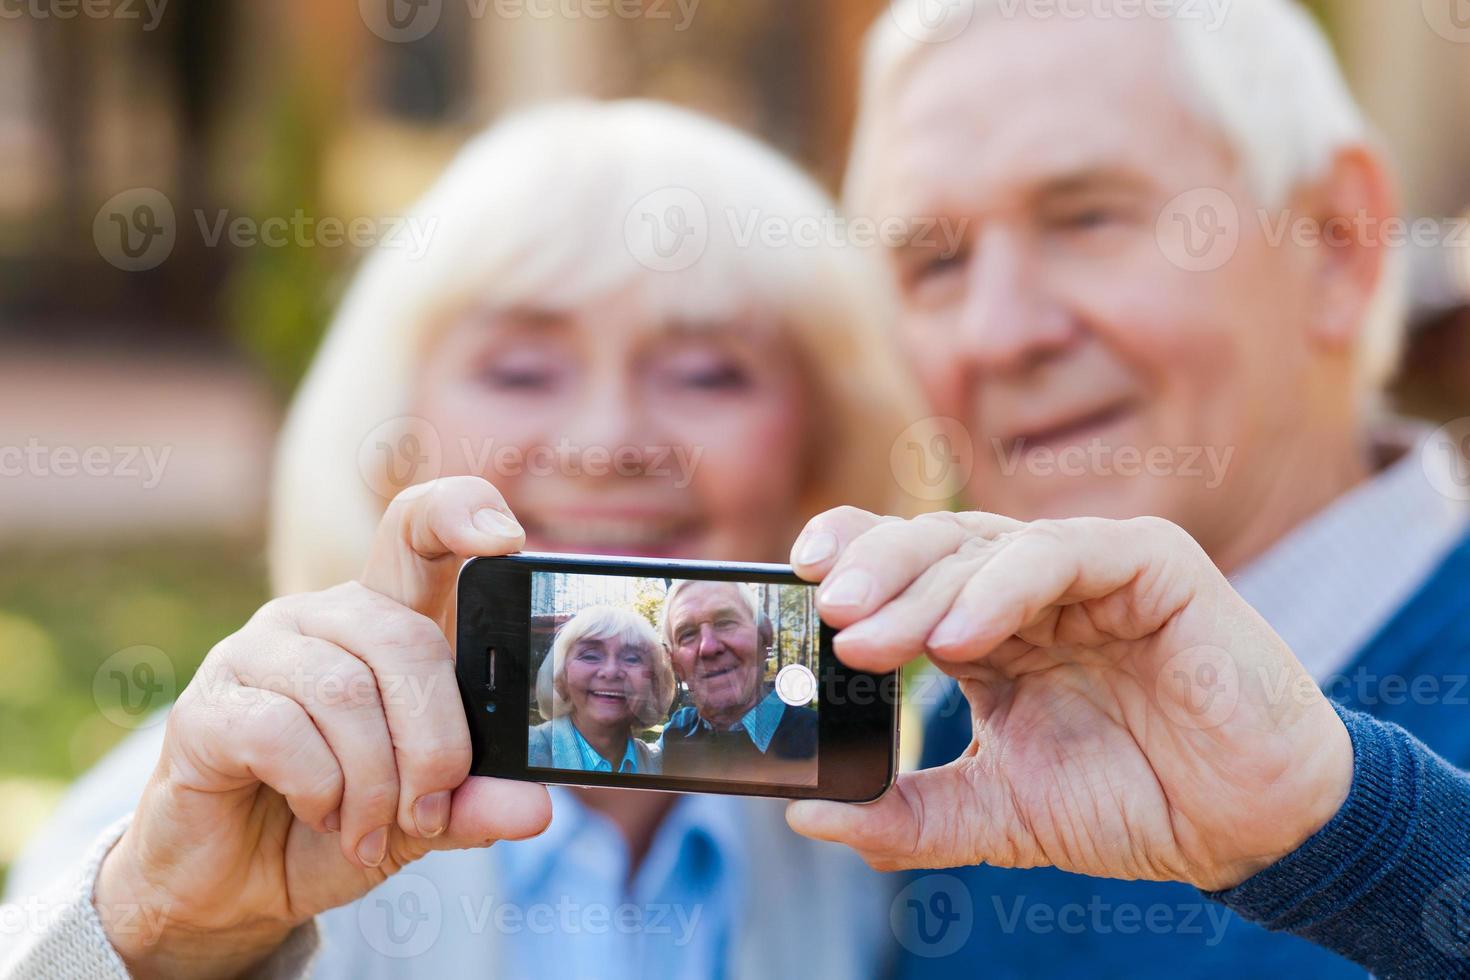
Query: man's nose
x,y
1010,320
709,644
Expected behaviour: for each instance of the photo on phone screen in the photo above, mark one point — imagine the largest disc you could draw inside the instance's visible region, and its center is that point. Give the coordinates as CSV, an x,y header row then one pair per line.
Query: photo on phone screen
x,y
662,676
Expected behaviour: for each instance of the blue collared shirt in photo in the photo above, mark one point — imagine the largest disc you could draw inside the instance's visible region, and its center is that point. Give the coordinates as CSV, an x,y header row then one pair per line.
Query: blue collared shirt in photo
x,y
760,722
592,760
568,749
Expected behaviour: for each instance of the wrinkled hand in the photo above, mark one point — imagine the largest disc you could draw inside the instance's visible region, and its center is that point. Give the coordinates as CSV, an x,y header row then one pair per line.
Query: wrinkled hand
x,y
316,752
1133,717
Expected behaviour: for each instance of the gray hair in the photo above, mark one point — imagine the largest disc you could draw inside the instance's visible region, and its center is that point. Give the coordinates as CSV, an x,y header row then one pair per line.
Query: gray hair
x,y
536,210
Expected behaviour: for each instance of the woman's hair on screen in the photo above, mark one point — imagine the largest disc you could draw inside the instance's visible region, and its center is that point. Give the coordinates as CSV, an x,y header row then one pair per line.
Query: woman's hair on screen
x,y
605,623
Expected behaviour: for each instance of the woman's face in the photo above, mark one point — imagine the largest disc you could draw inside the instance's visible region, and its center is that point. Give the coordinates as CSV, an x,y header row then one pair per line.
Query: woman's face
x,y
610,433
608,682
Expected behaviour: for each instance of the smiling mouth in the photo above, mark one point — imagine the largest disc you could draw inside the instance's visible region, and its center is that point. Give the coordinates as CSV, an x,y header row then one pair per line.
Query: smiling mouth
x,y
1071,431
722,672
610,695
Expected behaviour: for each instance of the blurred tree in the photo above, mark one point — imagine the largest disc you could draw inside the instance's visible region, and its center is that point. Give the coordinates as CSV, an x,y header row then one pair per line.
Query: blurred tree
x,y
648,600
278,300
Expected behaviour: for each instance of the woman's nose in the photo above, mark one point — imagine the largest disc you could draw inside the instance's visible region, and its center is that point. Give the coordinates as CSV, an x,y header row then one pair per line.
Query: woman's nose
x,y
606,421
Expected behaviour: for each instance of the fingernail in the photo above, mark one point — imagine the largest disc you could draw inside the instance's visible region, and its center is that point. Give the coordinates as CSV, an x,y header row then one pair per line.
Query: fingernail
x,y
859,632
431,813
333,822
498,523
373,848
851,588
816,548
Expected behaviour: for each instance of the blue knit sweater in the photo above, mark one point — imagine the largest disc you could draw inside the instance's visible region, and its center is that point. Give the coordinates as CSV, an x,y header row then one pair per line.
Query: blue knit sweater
x,y
1048,923
1387,882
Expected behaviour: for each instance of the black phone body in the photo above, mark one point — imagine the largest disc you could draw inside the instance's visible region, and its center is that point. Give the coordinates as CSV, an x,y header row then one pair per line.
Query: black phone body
x,y
814,727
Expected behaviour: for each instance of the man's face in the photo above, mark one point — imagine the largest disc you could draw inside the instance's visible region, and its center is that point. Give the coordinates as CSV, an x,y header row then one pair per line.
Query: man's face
x,y
1095,373
716,649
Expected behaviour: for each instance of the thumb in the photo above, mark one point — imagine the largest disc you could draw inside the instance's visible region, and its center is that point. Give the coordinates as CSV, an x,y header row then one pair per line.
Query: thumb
x,y
426,534
927,819
485,810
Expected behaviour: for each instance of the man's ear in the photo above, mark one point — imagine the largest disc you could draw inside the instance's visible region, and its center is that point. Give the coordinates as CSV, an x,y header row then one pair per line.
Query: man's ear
x,y
1354,207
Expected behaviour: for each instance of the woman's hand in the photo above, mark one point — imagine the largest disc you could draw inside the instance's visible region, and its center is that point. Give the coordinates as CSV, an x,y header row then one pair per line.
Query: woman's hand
x,y
316,752
1133,717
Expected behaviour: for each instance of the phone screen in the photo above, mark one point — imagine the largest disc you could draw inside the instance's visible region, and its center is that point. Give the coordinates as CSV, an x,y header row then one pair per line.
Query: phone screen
x,y
659,676
675,676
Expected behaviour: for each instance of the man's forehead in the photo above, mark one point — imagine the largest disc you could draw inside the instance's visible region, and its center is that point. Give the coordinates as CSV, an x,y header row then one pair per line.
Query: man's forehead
x,y
1021,101
702,596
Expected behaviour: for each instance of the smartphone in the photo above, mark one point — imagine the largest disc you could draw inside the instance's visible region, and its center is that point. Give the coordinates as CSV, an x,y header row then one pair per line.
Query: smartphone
x,y
696,677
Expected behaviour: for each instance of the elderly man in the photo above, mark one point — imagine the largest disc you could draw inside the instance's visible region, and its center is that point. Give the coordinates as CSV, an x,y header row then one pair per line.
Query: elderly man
x,y
1176,295
736,728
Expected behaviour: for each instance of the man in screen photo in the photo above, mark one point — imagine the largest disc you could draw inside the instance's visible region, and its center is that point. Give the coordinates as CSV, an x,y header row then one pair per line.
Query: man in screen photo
x,y
737,727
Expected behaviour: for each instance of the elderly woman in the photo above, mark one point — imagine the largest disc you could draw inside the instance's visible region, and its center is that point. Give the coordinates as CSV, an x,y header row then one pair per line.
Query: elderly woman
x,y
593,332
606,678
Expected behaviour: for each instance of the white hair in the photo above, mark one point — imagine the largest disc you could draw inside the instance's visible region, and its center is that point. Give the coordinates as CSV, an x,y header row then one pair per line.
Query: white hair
x,y
1264,74
536,212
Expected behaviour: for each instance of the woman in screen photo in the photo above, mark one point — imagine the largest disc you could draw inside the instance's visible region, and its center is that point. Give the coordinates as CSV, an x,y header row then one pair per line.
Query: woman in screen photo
x,y
606,680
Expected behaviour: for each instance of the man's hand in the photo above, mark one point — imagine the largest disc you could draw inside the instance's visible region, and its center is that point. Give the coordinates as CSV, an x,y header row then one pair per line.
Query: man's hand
x,y
316,752
1133,717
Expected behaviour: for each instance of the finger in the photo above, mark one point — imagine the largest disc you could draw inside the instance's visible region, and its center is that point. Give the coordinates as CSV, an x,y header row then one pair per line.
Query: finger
x,y
898,631
927,819
260,736
882,561
340,694
427,532
1134,575
413,668
825,537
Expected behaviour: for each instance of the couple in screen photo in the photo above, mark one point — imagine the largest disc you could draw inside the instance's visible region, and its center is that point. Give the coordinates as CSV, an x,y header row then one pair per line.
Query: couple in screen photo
x,y
672,679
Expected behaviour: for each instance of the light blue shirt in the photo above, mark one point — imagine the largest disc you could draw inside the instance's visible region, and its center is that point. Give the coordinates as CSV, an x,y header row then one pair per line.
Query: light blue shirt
x,y
759,722
592,760
581,915
557,744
